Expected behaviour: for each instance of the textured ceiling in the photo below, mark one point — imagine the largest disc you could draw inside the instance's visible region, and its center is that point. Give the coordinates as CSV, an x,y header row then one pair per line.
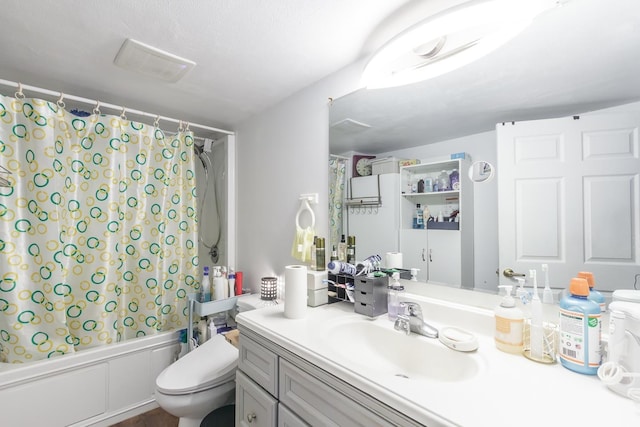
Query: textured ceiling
x,y
250,53
581,57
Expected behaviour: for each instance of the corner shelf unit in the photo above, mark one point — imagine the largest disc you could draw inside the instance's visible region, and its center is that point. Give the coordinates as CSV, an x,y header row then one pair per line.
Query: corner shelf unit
x,y
440,249
207,308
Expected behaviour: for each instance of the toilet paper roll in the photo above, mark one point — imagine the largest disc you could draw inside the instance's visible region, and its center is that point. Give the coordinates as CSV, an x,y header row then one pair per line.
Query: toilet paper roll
x,y
295,291
393,260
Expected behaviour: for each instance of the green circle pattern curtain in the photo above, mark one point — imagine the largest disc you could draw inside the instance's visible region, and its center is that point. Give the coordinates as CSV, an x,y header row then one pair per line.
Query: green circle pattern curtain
x,y
98,230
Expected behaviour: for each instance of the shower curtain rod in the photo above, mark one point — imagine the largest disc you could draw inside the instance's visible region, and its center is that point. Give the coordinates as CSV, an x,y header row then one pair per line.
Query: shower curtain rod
x,y
338,157
111,106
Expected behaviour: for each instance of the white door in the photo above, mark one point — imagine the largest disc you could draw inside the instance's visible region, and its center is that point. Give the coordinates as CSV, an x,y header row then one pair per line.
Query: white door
x,y
569,197
413,245
443,254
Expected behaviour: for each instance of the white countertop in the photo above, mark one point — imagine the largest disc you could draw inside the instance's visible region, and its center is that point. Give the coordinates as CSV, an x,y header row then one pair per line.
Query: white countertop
x,y
509,390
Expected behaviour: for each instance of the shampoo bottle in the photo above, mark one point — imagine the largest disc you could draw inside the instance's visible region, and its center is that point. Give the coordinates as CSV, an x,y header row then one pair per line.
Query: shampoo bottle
x,y
580,329
509,324
218,284
594,295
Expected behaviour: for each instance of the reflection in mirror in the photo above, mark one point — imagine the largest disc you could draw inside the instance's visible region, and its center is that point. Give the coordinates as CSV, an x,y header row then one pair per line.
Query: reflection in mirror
x,y
481,171
459,111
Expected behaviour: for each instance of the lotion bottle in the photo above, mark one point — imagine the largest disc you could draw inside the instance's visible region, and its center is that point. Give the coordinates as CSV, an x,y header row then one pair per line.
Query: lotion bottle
x,y
509,324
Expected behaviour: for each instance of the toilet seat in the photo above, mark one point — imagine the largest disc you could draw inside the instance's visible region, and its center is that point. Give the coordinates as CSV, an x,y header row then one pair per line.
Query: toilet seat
x,y
210,365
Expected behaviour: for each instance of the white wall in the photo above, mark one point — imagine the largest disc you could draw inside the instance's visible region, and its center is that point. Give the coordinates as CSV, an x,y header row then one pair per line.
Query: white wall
x,y
282,153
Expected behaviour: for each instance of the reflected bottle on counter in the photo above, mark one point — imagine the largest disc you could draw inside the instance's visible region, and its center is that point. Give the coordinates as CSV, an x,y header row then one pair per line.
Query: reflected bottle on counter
x,y
351,249
320,254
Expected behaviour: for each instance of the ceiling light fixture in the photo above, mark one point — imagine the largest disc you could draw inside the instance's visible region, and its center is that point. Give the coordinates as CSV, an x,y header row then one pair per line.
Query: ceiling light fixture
x,y
449,40
151,61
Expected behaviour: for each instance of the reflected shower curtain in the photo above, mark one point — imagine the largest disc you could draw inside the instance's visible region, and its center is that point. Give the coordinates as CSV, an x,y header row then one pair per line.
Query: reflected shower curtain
x,y
98,230
337,174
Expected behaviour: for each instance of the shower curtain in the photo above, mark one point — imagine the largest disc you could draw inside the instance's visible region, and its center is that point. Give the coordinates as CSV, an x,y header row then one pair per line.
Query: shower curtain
x,y
98,229
337,175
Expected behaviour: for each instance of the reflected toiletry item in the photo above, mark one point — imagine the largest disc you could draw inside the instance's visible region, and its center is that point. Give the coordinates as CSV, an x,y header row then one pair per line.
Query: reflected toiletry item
x,y
454,180
205,285
443,181
481,171
509,324
418,218
313,263
342,250
351,249
396,294
239,276
334,254
202,331
320,254
421,186
338,267
295,294
594,295
426,214
580,329
428,185
369,265
414,274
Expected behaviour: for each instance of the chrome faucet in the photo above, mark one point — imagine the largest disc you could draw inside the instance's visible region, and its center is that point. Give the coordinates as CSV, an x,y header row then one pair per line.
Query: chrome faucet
x,y
410,320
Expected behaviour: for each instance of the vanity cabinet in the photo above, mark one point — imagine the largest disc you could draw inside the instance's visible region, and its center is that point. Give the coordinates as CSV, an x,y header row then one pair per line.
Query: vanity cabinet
x,y
294,392
439,249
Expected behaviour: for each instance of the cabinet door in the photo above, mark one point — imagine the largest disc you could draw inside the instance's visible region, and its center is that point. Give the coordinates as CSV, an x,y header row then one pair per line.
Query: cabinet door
x,y
443,254
254,406
286,418
413,246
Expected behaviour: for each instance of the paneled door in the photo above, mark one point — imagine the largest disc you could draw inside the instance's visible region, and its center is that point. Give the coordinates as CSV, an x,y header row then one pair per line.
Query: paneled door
x,y
569,197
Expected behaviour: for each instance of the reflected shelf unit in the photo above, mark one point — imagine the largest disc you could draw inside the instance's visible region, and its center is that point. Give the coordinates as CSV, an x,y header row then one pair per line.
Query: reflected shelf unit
x,y
440,249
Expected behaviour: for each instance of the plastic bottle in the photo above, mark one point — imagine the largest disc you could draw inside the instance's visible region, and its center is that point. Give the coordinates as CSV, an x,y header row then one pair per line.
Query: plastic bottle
x,y
205,285
425,216
218,290
509,324
418,220
443,181
312,257
454,180
394,297
321,261
334,253
351,249
339,267
342,250
232,283
580,329
594,295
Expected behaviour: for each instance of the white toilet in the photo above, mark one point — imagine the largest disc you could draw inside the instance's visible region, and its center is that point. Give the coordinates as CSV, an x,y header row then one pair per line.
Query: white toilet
x,y
202,380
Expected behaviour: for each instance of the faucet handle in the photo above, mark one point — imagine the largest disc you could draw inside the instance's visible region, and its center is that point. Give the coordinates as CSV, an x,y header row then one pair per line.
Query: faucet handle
x,y
402,324
412,309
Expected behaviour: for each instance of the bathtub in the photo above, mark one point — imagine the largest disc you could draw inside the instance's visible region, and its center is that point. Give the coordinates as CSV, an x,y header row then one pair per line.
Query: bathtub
x,y
96,387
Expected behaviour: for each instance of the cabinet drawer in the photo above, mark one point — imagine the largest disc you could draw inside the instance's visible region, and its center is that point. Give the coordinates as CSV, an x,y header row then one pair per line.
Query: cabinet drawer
x,y
259,363
254,406
286,418
318,404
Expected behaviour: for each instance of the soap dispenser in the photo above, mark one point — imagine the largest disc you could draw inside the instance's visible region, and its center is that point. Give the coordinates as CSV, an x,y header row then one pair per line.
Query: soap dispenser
x,y
396,292
509,324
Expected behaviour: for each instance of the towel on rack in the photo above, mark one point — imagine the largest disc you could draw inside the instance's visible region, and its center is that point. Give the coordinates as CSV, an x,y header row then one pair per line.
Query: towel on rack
x,y
301,249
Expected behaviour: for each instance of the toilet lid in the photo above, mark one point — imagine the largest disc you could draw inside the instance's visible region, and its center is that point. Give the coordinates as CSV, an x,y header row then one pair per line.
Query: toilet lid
x,y
207,366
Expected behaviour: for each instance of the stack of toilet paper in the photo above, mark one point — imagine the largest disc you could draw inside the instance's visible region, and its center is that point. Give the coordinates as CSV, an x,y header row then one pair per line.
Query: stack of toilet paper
x,y
317,288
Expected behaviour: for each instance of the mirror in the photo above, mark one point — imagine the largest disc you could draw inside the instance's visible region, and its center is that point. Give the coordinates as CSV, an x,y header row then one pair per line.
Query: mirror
x,y
481,171
545,72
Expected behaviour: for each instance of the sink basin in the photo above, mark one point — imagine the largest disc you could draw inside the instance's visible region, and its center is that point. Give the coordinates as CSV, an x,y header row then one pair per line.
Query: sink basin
x,y
375,345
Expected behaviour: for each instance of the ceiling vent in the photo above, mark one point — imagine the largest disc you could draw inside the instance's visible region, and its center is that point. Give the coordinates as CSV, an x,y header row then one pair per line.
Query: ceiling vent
x,y
150,61
349,126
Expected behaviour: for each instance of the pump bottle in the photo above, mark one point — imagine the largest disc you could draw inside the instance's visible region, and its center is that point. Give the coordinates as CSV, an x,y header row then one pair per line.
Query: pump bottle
x,y
509,324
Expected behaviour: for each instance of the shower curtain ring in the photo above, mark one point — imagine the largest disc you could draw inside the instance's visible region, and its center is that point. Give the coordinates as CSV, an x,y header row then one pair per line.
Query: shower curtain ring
x,y
19,94
96,109
156,122
180,126
187,128
123,116
60,101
